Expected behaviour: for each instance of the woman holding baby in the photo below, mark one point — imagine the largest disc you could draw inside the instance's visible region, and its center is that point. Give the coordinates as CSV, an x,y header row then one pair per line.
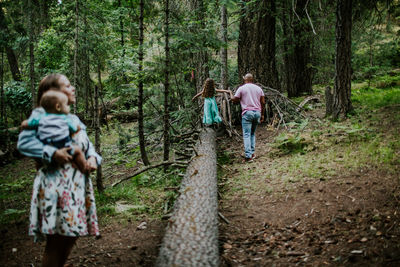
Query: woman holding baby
x,y
62,205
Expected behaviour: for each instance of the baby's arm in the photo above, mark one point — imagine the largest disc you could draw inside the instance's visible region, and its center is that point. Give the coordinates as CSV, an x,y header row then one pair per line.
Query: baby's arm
x,y
73,125
80,160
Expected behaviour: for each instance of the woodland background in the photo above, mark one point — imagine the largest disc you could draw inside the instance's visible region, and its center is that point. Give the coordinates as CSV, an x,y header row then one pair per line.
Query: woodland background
x,y
136,64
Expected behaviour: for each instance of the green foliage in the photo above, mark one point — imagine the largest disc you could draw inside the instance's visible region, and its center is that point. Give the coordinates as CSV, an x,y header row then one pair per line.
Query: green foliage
x,y
290,143
18,101
375,98
51,46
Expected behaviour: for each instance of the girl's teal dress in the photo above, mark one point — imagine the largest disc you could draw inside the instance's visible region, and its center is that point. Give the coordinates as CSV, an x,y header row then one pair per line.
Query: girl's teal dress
x,y
211,114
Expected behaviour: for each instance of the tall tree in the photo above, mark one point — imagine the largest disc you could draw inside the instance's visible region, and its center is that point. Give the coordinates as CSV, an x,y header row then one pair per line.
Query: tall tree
x,y
166,84
31,33
121,30
99,178
76,50
256,45
6,38
224,48
2,102
86,60
142,141
200,56
342,88
297,75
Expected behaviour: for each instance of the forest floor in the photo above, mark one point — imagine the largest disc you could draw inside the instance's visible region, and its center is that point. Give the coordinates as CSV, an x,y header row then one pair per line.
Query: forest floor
x,y
325,194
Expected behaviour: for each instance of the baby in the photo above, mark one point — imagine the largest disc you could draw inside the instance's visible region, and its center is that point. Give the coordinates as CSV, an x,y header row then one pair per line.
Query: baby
x,y
55,126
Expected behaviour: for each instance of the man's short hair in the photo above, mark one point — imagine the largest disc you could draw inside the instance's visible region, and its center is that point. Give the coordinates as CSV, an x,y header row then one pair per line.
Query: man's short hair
x,y
50,99
248,77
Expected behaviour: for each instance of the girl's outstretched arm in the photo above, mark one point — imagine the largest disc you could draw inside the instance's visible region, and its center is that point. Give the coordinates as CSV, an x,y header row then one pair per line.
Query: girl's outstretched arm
x,y
196,96
223,91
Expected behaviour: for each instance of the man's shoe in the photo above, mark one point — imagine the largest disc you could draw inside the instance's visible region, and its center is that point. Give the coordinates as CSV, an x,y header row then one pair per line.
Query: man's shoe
x,y
253,156
248,160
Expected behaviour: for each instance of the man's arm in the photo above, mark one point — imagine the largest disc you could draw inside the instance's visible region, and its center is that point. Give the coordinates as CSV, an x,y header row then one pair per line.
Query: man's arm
x,y
235,98
262,101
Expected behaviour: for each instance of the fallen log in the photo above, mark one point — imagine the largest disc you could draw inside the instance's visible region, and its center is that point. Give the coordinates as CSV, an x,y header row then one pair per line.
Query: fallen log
x,y
191,237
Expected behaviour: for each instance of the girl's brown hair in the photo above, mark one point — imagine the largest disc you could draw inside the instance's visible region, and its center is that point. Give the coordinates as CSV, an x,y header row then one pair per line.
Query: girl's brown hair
x,y
49,81
208,88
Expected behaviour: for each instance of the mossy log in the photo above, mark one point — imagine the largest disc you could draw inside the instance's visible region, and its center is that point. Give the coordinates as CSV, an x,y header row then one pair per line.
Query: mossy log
x,y
191,237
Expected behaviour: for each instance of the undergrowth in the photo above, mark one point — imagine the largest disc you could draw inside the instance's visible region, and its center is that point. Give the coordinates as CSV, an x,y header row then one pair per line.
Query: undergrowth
x,y
322,149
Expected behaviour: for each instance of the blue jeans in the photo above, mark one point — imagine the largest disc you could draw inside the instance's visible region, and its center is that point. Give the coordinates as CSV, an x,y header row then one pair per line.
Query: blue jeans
x,y
250,119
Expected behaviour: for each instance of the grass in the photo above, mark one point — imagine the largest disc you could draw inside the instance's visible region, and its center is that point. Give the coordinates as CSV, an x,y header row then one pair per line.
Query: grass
x,y
15,190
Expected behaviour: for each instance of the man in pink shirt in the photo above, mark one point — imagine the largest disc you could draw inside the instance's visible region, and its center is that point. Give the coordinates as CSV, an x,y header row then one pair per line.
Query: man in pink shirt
x,y
252,101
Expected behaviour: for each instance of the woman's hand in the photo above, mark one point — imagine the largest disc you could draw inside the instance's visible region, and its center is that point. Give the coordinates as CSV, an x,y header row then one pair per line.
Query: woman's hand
x,y
91,164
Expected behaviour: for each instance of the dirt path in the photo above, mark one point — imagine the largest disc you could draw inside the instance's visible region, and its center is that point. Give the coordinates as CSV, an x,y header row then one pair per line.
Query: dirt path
x,y
345,220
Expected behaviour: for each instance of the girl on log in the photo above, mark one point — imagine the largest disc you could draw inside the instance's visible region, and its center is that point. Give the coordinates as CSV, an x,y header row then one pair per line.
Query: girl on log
x,y
63,205
211,114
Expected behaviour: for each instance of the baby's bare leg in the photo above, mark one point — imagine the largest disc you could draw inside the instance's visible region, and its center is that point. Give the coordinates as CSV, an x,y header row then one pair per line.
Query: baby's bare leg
x,y
79,159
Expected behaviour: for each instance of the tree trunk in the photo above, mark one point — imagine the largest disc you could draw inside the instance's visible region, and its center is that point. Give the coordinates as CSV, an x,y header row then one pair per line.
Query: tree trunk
x,y
297,48
289,72
86,65
342,88
5,35
191,236
200,58
121,29
224,49
31,53
99,178
4,120
76,48
166,85
256,45
142,141
2,102
44,13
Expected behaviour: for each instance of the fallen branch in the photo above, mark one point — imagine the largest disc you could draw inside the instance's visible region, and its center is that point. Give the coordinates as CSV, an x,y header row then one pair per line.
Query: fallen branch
x,y
175,163
223,218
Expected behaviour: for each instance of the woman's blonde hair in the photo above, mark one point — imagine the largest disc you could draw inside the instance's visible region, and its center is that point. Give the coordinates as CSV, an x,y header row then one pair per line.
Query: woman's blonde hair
x,y
208,88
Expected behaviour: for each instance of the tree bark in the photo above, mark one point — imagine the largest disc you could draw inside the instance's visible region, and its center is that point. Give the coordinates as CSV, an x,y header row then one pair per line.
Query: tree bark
x,y
224,49
142,142
31,23
256,45
86,66
200,58
191,236
297,48
166,85
121,30
342,88
2,102
76,48
5,35
44,6
99,178
4,120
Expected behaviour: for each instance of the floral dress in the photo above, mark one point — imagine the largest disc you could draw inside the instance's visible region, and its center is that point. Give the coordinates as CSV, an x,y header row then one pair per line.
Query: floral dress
x,y
211,114
63,200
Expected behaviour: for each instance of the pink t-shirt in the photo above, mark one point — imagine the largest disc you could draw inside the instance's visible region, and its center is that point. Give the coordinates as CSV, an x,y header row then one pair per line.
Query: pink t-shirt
x,y
249,95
